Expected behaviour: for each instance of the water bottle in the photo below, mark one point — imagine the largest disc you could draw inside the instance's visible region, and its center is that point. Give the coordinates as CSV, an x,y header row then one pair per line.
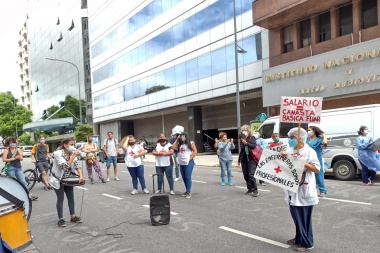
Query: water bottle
x,y
6,168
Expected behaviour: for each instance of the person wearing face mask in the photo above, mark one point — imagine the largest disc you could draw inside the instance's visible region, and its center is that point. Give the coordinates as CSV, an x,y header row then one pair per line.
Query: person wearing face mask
x,y
185,159
90,149
65,163
262,144
315,139
302,202
225,158
248,164
163,153
133,154
12,156
276,140
367,158
41,156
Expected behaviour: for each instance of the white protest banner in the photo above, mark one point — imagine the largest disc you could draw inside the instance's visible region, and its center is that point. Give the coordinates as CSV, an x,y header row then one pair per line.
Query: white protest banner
x,y
279,148
301,109
280,171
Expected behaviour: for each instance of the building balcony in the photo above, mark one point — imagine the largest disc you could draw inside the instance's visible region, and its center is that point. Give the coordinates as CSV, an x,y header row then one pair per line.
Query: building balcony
x,y
272,14
26,56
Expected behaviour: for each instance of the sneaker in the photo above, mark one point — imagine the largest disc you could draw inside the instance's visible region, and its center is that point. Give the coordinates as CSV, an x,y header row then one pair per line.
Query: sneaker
x,y
171,192
49,187
62,223
230,182
33,198
103,181
117,179
262,184
188,195
108,179
322,195
303,249
223,183
145,191
184,194
158,192
365,184
255,194
248,192
291,241
176,179
372,182
76,219
134,192
46,188
92,181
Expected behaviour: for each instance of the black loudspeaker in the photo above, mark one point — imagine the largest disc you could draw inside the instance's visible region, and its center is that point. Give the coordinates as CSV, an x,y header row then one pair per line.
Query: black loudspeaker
x,y
159,207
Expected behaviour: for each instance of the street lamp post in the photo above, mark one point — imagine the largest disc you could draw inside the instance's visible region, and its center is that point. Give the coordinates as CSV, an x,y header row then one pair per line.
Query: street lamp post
x,y
80,99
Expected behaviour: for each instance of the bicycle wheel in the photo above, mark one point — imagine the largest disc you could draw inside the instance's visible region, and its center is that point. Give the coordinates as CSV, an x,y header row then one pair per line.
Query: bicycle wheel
x,y
30,177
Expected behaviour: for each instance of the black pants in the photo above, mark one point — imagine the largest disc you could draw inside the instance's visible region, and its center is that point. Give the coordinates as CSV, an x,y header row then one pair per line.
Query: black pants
x,y
302,220
249,170
69,191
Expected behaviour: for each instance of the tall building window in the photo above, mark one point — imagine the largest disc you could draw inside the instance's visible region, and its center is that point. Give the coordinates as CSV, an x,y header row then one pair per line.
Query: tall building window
x,y
369,13
305,33
324,27
345,20
288,38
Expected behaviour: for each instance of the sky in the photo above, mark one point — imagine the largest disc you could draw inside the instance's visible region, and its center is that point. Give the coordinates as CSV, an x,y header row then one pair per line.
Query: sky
x,y
12,17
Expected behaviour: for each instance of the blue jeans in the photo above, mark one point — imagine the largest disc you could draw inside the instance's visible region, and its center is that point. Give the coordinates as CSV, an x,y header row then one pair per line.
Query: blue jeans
x,y
169,175
17,173
111,159
223,167
320,180
137,173
186,171
372,174
176,165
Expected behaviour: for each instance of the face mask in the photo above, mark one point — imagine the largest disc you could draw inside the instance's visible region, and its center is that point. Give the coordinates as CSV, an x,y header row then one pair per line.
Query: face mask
x,y
42,141
183,139
225,139
292,142
12,145
161,140
245,133
89,140
366,132
276,140
132,143
309,133
71,149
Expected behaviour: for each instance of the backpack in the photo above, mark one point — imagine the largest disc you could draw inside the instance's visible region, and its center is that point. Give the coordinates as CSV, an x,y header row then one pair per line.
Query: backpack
x,y
113,140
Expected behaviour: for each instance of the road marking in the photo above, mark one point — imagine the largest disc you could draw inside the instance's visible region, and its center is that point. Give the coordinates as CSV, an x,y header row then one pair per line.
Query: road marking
x,y
202,182
279,244
111,196
242,187
124,171
348,201
172,213
81,188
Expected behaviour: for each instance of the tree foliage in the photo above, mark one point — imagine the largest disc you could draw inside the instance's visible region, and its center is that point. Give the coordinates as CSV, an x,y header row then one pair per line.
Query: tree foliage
x,y
26,139
82,131
155,89
71,105
8,119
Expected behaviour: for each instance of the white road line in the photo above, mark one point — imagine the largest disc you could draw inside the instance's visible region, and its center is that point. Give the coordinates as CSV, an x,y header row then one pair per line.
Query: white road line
x,y
242,187
348,201
81,188
124,171
111,196
172,213
202,182
279,244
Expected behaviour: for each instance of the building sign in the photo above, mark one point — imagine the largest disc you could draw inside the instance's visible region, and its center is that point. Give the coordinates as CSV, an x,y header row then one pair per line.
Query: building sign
x,y
280,171
301,110
344,71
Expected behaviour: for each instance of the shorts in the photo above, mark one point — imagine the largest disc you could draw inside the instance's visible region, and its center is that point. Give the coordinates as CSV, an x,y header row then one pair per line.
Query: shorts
x,y
111,159
42,166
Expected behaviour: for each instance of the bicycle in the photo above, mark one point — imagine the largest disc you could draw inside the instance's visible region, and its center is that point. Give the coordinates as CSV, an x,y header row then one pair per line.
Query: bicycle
x,y
32,176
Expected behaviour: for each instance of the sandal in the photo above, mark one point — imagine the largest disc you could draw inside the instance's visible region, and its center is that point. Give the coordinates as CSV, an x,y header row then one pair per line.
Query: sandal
x,y
46,188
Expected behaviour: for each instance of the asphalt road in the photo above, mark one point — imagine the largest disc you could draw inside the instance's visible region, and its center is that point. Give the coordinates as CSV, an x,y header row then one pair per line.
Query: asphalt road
x,y
216,219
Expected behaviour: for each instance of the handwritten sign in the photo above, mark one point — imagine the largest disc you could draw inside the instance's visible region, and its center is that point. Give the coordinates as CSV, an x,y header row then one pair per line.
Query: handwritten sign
x,y
280,171
301,110
279,148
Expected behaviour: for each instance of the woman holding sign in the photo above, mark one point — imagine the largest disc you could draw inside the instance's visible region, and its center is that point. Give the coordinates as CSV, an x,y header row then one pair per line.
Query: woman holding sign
x,y
301,203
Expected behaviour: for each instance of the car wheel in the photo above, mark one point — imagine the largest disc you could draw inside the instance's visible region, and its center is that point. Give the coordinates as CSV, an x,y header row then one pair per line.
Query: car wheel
x,y
344,170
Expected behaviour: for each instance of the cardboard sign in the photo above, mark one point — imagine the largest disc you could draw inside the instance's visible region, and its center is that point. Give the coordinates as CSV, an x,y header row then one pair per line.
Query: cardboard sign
x,y
279,148
301,110
280,171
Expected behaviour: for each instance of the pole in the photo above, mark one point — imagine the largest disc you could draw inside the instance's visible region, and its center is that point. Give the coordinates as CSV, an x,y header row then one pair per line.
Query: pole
x,y
80,99
237,76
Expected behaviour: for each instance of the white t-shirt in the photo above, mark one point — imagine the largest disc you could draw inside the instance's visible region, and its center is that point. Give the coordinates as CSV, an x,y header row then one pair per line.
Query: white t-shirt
x,y
163,161
184,154
130,160
111,146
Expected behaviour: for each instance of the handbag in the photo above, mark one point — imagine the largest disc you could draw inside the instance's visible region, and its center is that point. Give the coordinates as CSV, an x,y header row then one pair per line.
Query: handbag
x,y
71,179
255,152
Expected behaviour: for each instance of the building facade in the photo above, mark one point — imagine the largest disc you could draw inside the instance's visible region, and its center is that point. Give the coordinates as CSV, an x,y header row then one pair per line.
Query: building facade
x,y
59,31
24,63
328,49
160,63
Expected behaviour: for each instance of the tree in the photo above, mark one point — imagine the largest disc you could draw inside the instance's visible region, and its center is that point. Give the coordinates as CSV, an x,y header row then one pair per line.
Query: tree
x,y
155,89
71,105
26,139
82,131
8,120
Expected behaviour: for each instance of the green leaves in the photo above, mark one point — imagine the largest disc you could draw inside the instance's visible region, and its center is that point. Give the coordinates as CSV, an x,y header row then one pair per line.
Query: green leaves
x,y
82,131
71,104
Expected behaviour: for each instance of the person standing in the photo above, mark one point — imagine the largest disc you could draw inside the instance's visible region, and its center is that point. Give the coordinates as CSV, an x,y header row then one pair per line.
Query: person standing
x,y
185,159
248,164
276,141
317,138
225,157
12,156
133,154
175,155
111,151
366,156
41,157
65,163
301,203
90,149
262,144
163,153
